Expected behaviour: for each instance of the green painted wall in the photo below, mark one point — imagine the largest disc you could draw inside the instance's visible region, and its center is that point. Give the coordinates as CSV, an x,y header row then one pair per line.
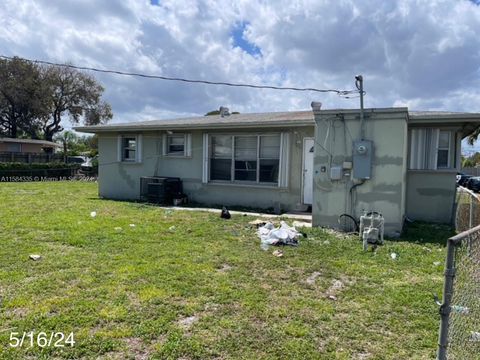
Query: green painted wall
x,y
385,192
431,195
119,180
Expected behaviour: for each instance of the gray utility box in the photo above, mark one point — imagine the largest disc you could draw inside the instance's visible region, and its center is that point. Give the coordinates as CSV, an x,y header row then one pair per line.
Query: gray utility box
x,y
362,159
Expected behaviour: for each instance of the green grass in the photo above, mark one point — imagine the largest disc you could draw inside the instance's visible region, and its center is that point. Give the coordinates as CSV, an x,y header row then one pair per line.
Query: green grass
x,y
204,289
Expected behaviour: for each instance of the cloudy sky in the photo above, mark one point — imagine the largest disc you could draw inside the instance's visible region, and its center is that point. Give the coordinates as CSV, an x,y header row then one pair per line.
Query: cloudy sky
x,y
422,54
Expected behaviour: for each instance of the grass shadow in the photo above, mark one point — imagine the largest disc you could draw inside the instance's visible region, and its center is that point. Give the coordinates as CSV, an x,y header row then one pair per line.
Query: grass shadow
x,y
426,233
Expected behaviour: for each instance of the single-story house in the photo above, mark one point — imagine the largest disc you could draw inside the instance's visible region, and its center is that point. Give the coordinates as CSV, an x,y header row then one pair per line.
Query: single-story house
x,y
394,161
27,146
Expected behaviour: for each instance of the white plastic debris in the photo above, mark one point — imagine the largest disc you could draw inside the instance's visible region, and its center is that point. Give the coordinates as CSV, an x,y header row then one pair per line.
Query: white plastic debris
x,y
436,263
393,256
172,228
277,253
460,309
132,225
475,336
118,228
35,257
284,235
93,214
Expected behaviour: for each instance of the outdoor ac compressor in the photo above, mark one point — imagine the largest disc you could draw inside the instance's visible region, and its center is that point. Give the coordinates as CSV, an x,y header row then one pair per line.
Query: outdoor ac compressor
x,y
371,229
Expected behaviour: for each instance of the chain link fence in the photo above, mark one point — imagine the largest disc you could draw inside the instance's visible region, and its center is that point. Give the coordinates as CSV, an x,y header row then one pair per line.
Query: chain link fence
x,y
459,336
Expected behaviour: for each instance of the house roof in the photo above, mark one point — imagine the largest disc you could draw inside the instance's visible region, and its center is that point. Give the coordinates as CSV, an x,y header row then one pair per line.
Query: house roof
x,y
468,121
44,143
273,119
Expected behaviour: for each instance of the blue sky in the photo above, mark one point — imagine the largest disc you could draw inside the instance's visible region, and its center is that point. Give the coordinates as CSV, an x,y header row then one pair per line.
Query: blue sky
x,y
239,39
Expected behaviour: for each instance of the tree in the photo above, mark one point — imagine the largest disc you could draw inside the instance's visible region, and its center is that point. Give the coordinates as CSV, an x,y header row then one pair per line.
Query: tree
x,y
471,161
23,98
34,99
67,139
77,145
473,136
74,94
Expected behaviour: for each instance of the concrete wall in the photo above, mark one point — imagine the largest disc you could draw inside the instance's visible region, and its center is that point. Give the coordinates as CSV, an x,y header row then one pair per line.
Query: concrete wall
x,y
385,192
431,195
120,180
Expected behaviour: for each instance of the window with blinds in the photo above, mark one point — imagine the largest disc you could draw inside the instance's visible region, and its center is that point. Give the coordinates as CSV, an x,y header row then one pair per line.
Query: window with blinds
x,y
245,158
431,149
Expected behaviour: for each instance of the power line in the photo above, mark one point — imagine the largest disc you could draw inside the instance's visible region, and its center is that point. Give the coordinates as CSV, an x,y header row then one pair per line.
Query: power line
x,y
159,77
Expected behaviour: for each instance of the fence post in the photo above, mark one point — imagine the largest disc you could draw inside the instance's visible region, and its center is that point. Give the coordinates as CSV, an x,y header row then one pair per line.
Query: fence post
x,y
470,219
447,297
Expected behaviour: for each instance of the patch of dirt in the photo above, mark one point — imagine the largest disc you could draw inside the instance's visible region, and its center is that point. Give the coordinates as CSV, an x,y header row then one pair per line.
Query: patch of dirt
x,y
362,356
137,348
17,313
187,322
313,277
225,268
134,299
337,287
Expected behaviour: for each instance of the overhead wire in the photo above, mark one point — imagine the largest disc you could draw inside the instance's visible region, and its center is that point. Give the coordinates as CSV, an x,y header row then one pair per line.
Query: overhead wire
x,y
180,79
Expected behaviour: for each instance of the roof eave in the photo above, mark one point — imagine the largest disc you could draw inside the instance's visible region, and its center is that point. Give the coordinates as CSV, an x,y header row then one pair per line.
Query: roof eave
x,y
133,127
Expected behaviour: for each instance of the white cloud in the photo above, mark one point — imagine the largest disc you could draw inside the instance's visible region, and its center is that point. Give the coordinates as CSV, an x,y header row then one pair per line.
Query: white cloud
x,y
424,54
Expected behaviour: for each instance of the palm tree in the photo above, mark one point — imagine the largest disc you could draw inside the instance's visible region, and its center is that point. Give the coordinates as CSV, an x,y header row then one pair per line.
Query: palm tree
x,y
67,139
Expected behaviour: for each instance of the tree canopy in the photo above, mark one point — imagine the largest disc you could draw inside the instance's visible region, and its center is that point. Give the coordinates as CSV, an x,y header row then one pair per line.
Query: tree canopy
x,y
36,99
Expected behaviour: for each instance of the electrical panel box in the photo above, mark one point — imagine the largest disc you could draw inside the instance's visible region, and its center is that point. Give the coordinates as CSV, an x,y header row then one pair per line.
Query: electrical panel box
x,y
362,159
336,173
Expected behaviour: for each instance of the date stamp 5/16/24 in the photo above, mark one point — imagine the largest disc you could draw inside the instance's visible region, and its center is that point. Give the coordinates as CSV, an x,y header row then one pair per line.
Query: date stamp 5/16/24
x,y
41,339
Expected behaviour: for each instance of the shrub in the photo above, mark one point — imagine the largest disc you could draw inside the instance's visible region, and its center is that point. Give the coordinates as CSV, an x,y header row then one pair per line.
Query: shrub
x,y
32,166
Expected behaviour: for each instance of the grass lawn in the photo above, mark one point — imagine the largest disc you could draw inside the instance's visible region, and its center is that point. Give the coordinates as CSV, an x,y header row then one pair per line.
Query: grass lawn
x,y
184,285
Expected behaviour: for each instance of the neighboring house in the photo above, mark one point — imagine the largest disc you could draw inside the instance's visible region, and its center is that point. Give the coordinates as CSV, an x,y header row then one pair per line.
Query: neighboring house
x,y
405,166
27,146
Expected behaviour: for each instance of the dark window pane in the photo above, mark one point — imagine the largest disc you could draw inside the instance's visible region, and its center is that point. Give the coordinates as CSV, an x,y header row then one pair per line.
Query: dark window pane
x,y
129,143
245,170
220,169
269,171
129,154
175,149
442,160
14,147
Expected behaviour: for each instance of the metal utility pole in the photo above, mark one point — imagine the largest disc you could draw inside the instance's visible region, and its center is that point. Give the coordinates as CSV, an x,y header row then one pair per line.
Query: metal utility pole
x,y
359,84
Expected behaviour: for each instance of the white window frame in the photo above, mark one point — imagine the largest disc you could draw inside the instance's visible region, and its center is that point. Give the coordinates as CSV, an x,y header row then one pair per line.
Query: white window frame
x,y
283,159
187,145
423,147
121,148
448,148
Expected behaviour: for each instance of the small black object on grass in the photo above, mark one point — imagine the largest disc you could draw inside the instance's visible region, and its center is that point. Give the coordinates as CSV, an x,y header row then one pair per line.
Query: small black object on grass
x,y
225,214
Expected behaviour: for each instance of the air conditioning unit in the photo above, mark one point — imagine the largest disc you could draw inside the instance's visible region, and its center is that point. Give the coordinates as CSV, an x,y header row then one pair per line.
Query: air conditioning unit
x,y
161,190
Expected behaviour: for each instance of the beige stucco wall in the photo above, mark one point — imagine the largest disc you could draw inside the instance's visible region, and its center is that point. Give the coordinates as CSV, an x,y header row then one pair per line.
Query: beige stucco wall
x,y
385,192
119,180
430,195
